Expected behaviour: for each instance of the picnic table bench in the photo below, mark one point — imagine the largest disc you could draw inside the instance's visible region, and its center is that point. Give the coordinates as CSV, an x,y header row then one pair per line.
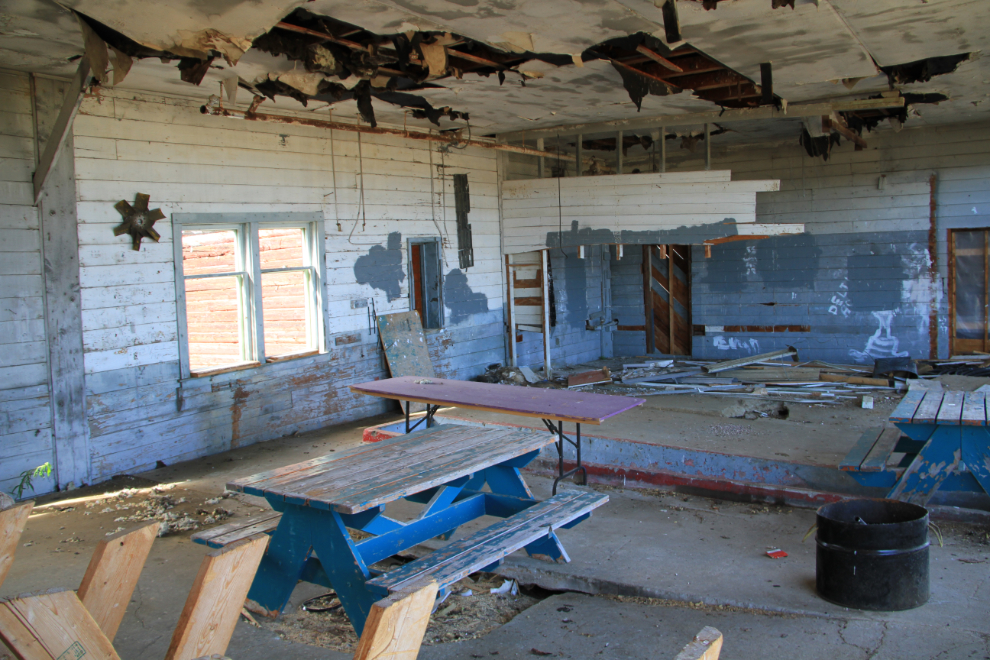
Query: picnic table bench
x,y
444,468
940,434
553,407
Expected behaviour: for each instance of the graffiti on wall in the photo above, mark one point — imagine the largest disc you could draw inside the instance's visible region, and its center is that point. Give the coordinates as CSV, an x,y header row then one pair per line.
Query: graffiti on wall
x,y
882,343
840,302
731,343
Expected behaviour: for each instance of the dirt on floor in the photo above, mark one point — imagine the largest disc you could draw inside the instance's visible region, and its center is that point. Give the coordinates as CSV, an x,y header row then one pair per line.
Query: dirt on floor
x,y
471,610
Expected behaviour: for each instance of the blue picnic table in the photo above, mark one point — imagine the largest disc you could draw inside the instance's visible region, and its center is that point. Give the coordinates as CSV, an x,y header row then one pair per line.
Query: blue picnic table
x,y
320,502
942,438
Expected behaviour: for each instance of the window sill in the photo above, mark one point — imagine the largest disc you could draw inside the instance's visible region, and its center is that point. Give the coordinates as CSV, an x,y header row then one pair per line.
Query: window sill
x,y
223,370
291,356
243,366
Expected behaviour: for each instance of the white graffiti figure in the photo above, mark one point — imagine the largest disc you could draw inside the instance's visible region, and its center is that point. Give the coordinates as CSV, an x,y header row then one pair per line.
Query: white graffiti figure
x,y
881,344
750,345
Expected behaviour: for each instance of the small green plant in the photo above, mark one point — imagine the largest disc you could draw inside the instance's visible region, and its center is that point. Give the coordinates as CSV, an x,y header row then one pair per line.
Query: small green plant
x,y
44,470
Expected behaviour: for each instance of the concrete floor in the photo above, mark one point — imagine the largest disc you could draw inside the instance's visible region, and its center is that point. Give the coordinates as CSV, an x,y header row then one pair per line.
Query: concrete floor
x,y
812,434
642,544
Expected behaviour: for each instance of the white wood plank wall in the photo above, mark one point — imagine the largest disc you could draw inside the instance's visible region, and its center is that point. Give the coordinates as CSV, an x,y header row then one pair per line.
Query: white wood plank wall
x,y
599,209
138,410
25,412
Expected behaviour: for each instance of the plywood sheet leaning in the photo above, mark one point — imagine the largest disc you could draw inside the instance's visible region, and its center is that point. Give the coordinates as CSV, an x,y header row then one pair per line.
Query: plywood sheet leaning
x,y
405,348
396,625
216,599
113,574
53,626
405,345
12,523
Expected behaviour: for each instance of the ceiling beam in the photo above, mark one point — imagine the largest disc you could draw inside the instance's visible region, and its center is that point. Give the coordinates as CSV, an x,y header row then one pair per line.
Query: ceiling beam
x,y
662,61
794,111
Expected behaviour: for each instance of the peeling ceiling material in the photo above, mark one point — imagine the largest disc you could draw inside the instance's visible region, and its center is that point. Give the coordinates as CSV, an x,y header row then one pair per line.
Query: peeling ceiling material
x,y
385,64
188,29
923,70
813,45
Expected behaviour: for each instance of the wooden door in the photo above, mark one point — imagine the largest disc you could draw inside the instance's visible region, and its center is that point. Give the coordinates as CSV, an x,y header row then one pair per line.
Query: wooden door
x,y
667,292
969,258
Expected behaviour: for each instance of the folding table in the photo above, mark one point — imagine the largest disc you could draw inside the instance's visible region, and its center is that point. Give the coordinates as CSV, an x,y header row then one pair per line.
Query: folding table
x,y
552,406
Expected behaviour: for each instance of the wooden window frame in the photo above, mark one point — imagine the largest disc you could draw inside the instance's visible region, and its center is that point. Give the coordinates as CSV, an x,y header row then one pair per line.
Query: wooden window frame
x,y
248,265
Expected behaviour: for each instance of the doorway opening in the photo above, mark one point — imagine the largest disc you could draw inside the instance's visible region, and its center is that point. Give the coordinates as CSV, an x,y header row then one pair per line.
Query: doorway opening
x,y
425,290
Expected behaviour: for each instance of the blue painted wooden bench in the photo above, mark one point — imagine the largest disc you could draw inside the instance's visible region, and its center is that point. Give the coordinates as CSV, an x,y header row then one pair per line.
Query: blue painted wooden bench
x,y
485,550
945,443
444,468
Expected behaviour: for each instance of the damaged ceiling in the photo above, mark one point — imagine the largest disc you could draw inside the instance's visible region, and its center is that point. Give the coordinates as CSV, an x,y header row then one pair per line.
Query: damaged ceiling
x,y
513,65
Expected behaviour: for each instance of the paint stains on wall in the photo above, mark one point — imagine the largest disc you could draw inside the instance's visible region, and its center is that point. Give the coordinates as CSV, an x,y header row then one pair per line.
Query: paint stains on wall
x,y
381,268
875,277
683,235
789,261
458,297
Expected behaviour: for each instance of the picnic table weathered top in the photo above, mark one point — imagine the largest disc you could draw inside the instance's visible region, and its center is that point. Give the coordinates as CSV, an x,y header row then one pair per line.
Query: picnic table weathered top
x,y
940,407
378,473
559,405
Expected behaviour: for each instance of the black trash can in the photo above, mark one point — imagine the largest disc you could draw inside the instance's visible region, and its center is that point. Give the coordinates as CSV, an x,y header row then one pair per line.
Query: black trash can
x,y
873,554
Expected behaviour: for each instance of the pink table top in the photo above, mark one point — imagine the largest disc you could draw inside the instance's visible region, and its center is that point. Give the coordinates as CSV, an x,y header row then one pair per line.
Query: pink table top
x,y
559,405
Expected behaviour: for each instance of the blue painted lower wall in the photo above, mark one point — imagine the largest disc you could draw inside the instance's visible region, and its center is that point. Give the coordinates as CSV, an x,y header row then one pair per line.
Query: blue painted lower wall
x,y
857,296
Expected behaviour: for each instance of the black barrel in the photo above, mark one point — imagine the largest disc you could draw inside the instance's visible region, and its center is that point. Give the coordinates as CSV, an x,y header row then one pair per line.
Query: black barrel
x,y
873,554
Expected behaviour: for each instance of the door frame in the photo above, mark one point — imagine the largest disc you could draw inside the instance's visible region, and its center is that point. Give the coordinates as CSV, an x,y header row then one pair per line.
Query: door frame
x,y
970,344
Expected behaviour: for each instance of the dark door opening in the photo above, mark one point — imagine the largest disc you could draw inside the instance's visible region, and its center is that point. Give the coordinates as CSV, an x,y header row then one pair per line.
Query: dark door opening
x,y
426,285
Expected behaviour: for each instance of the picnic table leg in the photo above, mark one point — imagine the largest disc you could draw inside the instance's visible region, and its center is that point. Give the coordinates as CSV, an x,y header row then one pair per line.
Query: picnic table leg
x,y
12,523
938,458
282,566
506,479
343,565
976,454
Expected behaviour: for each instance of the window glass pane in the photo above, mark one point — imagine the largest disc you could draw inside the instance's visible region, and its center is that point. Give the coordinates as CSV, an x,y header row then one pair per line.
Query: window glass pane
x,y
970,283
206,252
284,301
281,248
213,320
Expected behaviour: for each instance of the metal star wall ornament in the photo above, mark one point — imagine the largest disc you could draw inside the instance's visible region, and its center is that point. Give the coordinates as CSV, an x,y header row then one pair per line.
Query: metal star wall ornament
x,y
138,221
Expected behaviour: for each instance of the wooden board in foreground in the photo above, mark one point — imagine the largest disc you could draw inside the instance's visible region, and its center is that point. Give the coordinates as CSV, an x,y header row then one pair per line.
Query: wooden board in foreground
x,y
216,599
53,626
113,574
706,645
12,523
396,625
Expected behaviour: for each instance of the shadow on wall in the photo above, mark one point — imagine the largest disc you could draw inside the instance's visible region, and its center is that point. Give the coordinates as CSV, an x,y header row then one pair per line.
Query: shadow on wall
x,y
460,299
382,267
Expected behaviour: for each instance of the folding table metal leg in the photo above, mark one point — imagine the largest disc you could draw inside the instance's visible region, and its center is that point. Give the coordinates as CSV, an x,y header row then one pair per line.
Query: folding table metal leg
x,y
558,428
431,411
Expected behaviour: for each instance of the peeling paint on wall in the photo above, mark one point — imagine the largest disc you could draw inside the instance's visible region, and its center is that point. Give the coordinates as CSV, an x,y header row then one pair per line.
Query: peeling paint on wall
x,y
682,235
458,297
382,267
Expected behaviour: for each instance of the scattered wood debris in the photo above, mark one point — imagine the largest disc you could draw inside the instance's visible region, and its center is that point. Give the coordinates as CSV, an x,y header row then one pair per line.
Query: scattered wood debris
x,y
589,378
476,605
147,504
